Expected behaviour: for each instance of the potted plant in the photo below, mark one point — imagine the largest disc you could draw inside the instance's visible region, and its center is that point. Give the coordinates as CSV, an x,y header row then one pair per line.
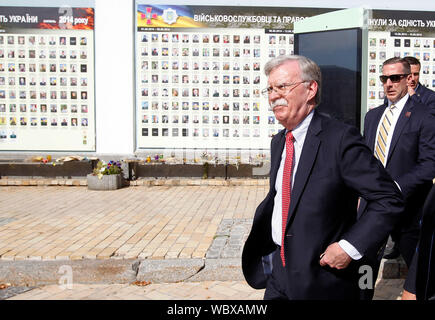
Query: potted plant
x,y
105,176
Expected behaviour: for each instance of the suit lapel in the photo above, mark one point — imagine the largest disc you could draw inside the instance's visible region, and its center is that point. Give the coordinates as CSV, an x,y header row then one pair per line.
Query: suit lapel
x,y
306,162
276,153
419,90
400,125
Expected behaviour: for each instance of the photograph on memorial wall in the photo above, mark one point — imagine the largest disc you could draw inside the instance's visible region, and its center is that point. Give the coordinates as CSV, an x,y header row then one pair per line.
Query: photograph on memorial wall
x,y
199,74
399,34
47,79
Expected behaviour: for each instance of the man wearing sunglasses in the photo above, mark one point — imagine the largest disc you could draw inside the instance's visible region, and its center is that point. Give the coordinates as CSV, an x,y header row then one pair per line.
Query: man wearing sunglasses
x,y
401,133
306,241
423,95
415,89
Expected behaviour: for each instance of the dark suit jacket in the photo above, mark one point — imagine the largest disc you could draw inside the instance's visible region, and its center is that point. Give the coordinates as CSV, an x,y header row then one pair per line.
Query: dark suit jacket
x,y
425,96
335,168
421,274
426,251
411,157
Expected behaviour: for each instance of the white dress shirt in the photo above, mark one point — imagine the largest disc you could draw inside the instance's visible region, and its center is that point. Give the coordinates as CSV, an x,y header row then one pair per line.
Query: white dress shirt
x,y
299,134
396,113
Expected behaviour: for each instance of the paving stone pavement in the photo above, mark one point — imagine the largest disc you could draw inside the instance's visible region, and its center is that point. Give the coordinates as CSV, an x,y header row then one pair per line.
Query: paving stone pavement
x,y
13,291
71,224
205,290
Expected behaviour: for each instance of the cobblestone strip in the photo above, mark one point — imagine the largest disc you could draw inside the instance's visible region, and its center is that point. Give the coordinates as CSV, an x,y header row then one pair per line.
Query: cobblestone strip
x,y
229,239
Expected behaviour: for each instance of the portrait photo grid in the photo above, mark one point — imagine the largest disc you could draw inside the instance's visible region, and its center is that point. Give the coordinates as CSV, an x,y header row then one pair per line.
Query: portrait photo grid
x,y
202,88
47,90
386,45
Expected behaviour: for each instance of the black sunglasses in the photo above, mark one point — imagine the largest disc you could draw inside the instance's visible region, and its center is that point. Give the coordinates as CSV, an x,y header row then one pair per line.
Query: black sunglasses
x,y
394,77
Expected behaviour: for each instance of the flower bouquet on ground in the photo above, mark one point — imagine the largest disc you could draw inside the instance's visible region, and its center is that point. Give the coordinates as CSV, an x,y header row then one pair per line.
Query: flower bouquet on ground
x,y
103,168
105,176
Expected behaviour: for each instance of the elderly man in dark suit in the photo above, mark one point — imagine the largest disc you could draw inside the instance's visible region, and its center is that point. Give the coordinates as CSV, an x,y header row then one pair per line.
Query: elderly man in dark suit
x,y
415,89
308,220
401,133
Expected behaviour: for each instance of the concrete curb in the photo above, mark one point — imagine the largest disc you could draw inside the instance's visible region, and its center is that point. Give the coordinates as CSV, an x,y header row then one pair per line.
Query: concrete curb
x,y
171,270
110,271
220,270
36,273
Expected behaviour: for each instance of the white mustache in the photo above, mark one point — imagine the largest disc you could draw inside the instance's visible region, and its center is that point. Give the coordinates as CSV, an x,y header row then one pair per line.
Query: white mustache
x,y
278,102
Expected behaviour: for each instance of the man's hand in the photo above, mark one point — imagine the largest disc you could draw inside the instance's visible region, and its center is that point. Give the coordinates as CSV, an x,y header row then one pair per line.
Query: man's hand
x,y
406,295
335,257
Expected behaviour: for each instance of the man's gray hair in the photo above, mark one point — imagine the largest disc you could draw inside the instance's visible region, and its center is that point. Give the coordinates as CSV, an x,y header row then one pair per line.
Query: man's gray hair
x,y
310,71
404,62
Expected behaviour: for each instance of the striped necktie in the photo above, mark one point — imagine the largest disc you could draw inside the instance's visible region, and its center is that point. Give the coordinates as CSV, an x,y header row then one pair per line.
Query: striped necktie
x,y
286,187
382,138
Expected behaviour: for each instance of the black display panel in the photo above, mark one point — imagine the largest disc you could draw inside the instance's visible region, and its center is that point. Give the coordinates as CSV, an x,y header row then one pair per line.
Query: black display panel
x,y
338,53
